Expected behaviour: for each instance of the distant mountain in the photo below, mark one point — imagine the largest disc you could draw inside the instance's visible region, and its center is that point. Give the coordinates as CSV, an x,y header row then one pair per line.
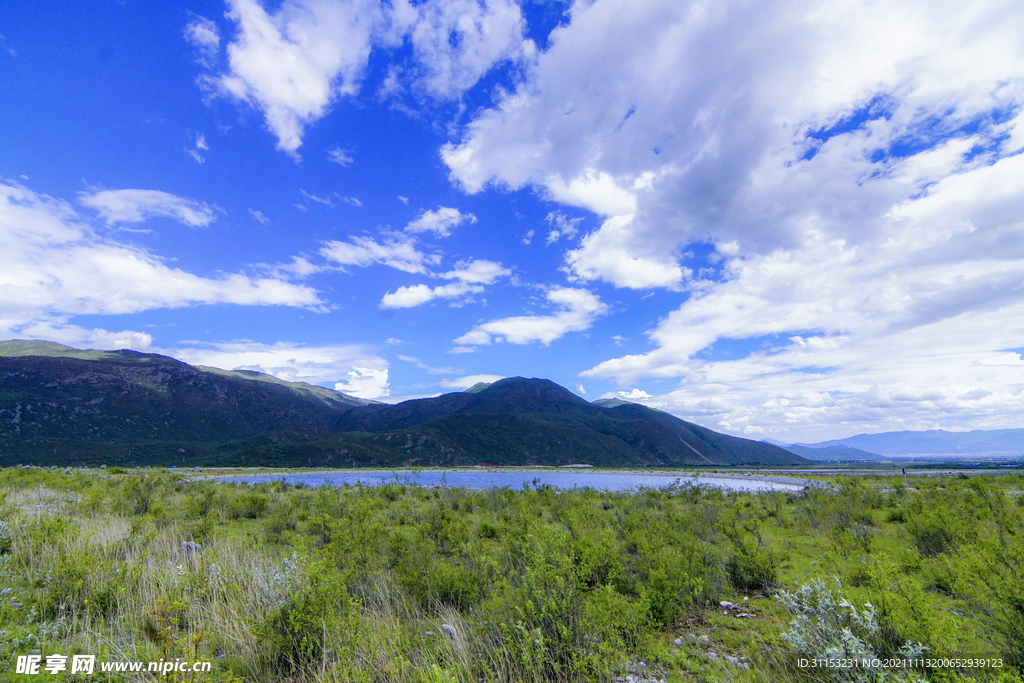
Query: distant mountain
x,y
833,453
1008,443
535,421
60,405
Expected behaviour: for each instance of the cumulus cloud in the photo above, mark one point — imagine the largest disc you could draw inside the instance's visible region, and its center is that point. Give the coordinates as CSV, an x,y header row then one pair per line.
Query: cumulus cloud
x,y
293,63
54,266
415,295
463,383
668,151
395,251
471,276
577,309
353,369
456,42
136,206
258,215
855,168
205,38
439,222
365,383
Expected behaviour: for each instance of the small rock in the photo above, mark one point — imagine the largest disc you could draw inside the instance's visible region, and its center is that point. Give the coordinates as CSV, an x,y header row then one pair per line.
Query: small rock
x,y
448,630
691,637
33,652
6,591
704,640
731,660
16,605
677,642
712,655
726,605
429,634
189,548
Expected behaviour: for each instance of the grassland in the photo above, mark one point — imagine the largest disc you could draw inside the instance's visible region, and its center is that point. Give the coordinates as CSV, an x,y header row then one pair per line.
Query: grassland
x,y
397,583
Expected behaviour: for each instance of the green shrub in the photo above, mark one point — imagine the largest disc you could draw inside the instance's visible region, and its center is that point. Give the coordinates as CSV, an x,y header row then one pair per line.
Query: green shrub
x,y
826,625
754,567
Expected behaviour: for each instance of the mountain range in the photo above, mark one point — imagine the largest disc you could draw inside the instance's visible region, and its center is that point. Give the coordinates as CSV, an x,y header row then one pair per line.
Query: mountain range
x,y
996,443
64,406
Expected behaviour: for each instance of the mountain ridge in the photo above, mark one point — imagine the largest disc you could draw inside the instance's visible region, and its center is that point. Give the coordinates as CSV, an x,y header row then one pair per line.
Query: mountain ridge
x,y
60,405
934,442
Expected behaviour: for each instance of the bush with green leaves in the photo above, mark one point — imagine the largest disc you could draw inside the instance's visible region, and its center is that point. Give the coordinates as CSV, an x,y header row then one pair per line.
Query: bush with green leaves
x,y
826,625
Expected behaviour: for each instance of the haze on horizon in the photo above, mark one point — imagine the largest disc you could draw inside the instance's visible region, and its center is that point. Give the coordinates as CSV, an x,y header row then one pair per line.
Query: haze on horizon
x,y
797,221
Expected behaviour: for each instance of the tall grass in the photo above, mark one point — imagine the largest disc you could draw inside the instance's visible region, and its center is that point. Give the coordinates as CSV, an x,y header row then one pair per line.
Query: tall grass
x,y
398,583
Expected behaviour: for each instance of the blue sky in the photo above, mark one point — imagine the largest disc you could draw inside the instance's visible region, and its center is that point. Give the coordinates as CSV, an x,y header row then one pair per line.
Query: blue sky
x,y
799,221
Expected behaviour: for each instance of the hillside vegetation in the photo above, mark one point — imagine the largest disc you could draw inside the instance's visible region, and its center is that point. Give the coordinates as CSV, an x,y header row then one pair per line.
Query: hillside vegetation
x,y
62,406
398,583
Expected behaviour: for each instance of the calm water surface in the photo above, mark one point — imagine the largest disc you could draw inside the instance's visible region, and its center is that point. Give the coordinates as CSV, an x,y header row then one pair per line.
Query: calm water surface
x,y
519,479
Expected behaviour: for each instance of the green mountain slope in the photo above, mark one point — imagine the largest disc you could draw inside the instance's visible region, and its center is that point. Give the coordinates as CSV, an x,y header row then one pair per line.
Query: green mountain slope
x,y
59,405
535,421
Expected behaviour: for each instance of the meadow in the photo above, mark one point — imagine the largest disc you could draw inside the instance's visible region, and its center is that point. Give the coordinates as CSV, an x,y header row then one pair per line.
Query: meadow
x,y
399,583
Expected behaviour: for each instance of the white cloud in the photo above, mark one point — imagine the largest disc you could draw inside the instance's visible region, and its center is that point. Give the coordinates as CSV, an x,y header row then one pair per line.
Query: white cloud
x,y
430,370
352,201
205,38
561,226
455,42
439,222
136,206
577,310
326,201
415,295
292,64
79,337
853,166
258,215
365,374
339,156
53,266
471,276
477,271
464,383
365,383
676,152
199,146
300,267
404,200
395,252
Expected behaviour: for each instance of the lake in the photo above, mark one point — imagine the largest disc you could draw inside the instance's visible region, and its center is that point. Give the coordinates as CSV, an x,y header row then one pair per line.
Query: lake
x,y
525,478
